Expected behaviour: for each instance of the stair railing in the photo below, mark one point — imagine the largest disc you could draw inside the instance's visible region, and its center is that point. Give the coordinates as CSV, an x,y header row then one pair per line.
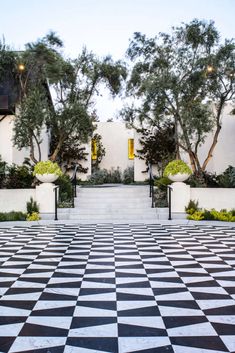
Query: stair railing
x,y
151,190
56,202
73,181
151,184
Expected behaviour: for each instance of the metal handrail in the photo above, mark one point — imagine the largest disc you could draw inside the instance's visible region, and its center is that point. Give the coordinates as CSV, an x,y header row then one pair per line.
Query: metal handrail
x,y
73,180
56,203
151,191
151,184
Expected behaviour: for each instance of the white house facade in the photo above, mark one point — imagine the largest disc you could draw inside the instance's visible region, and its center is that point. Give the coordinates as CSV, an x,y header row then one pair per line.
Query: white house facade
x,y
121,145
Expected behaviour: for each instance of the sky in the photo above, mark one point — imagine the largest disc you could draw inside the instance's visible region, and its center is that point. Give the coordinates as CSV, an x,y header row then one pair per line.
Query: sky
x,y
106,26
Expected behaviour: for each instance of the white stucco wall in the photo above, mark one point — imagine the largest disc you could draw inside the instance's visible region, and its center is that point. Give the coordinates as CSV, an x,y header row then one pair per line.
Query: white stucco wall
x,y
9,152
6,126
224,153
115,137
87,163
15,199
18,156
139,166
214,198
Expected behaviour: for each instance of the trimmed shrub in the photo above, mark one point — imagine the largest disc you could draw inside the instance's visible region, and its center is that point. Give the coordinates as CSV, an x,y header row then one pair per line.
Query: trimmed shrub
x,y
18,177
175,167
33,217
128,175
12,216
47,167
32,206
65,188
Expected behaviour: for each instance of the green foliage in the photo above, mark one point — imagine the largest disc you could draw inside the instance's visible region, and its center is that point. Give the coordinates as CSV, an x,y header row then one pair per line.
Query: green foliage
x,y
169,77
210,215
161,183
158,145
18,177
100,151
34,216
160,197
160,191
128,175
65,188
175,167
191,207
227,179
196,216
29,121
104,176
47,167
98,177
2,171
32,206
12,216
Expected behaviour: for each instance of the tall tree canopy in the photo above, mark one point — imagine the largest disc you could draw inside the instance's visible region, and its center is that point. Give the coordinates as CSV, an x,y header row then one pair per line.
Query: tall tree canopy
x,y
72,85
188,75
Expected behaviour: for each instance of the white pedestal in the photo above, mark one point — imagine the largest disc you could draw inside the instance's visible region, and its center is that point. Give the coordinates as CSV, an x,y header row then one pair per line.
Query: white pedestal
x,y
45,197
180,196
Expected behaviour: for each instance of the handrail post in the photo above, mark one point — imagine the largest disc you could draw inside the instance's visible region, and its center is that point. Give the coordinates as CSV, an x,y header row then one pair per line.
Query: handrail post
x,y
152,193
150,180
169,218
75,183
55,190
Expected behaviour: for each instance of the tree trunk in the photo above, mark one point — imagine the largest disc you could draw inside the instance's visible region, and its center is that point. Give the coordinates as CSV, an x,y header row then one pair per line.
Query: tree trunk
x,y
211,150
57,149
39,148
31,153
217,131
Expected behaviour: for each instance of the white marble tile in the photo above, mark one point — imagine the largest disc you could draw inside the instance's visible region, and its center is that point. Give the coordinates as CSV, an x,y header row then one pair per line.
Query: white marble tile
x,y
52,304
229,341
109,330
30,343
174,311
175,296
202,329
135,304
146,321
130,344
97,297
63,291
8,311
62,322
223,319
11,330
217,303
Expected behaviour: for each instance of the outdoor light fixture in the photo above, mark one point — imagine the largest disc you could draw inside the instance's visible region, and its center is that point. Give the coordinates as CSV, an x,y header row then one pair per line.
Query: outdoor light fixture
x,y
209,69
21,67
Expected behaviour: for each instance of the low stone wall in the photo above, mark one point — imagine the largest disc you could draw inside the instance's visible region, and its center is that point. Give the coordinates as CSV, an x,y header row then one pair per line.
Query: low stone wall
x,y
15,199
218,198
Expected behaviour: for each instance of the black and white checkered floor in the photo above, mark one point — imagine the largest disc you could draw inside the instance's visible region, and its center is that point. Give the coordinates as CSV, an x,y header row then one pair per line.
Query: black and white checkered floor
x,y
117,288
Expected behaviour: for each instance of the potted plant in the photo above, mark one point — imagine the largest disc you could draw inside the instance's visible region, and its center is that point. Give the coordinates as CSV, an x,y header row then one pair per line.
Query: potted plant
x,y
47,171
177,170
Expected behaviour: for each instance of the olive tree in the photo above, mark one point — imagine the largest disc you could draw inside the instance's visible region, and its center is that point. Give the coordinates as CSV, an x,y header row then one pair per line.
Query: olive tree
x,y
187,75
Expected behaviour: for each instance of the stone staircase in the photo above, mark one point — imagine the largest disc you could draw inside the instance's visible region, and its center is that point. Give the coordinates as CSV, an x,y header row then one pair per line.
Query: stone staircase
x,y
111,203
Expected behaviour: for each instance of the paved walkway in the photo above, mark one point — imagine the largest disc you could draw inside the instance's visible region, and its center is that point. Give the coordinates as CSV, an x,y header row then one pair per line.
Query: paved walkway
x,y
117,288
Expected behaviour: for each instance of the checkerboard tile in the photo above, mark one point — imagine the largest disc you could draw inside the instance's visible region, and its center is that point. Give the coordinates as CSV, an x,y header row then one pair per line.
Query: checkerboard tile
x,y
117,288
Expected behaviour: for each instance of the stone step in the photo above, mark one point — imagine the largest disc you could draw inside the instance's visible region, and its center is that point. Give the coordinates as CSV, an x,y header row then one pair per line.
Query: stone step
x,y
111,218
113,212
115,204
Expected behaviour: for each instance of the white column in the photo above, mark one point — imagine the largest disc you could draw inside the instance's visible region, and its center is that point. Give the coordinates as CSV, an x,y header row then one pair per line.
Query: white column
x,y
45,197
180,196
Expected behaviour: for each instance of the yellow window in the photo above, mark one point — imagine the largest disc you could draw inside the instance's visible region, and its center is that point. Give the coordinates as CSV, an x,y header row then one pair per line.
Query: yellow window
x,y
131,149
93,149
